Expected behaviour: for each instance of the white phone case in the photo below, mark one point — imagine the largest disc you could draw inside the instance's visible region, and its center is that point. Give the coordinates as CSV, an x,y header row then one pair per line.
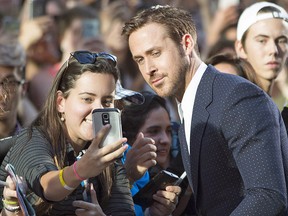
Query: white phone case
x,y
112,116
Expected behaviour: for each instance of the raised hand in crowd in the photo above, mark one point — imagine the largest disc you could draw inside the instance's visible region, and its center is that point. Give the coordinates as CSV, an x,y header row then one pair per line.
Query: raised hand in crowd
x,y
140,157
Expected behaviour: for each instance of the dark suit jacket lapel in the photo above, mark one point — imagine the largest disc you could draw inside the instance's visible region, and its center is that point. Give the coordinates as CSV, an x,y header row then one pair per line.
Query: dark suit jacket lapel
x,y
185,153
199,120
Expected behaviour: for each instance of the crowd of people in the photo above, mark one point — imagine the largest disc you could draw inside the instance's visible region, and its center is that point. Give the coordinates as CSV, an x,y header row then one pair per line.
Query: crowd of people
x,y
202,89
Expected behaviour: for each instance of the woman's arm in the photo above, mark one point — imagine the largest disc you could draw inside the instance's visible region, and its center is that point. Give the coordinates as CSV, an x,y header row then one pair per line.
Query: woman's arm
x,y
58,184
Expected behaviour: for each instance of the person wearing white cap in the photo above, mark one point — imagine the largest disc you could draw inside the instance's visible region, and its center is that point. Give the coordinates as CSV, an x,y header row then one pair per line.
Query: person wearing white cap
x,y
262,39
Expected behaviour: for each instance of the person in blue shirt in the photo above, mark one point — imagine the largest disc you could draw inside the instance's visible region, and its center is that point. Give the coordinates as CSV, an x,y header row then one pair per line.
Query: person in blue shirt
x,y
151,123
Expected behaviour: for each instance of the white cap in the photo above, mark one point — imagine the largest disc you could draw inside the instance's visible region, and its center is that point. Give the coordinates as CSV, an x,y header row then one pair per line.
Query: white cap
x,y
250,16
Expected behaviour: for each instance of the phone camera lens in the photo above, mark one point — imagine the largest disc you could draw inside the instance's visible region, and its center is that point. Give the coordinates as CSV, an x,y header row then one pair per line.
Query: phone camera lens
x,y
105,116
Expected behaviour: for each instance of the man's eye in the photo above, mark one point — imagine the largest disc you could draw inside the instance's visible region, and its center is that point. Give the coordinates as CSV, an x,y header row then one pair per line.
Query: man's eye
x,y
261,41
156,53
139,60
282,41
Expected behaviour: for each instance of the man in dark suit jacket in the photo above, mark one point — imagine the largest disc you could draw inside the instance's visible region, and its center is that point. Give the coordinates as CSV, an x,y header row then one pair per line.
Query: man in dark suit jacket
x,y
233,139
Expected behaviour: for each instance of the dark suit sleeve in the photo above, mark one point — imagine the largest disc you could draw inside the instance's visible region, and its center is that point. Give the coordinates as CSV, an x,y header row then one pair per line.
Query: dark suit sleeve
x,y
256,142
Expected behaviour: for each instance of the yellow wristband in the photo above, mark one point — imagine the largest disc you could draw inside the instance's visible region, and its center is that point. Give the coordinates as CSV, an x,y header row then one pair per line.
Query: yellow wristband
x,y
63,183
10,202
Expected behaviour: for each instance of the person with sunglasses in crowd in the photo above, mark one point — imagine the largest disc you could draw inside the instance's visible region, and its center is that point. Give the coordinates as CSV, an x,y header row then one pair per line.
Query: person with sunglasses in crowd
x,y
59,157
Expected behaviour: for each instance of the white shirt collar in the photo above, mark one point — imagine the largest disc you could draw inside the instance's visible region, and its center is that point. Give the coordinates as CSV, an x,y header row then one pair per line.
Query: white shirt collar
x,y
185,108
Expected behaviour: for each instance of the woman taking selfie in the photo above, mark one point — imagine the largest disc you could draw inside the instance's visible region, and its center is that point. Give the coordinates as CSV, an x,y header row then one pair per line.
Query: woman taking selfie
x,y
58,155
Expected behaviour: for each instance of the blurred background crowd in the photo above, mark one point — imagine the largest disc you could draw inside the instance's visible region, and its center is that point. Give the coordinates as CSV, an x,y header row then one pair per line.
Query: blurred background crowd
x,y
45,32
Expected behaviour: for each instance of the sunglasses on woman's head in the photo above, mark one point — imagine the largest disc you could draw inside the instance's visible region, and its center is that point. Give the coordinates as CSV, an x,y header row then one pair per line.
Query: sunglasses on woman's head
x,y
86,57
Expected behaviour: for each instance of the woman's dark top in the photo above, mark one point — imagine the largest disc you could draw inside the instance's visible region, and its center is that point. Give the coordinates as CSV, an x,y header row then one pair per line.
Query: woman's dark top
x,y
33,157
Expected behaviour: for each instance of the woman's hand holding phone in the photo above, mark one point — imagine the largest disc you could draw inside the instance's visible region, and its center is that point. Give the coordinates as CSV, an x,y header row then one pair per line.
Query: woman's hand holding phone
x,y
96,159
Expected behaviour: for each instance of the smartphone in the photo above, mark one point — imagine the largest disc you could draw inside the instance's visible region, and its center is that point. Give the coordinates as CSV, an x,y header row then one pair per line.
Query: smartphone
x,y
227,3
37,8
144,197
112,116
90,28
25,205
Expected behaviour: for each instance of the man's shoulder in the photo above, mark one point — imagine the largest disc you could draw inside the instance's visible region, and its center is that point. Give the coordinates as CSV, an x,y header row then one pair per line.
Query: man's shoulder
x,y
227,81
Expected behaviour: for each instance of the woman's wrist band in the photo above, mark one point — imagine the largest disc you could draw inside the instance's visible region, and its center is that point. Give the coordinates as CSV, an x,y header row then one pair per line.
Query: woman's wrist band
x,y
63,183
10,202
11,206
75,172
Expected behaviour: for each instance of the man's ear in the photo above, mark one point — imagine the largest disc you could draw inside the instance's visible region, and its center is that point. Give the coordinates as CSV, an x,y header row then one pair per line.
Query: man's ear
x,y
60,102
240,50
188,43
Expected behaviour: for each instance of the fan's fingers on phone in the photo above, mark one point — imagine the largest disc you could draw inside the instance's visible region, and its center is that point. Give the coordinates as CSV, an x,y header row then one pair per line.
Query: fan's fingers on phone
x,y
93,195
169,196
10,182
99,137
167,199
111,152
10,191
174,189
163,205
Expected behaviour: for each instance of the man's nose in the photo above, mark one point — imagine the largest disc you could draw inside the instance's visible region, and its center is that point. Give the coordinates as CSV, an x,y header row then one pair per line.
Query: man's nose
x,y
273,48
149,67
